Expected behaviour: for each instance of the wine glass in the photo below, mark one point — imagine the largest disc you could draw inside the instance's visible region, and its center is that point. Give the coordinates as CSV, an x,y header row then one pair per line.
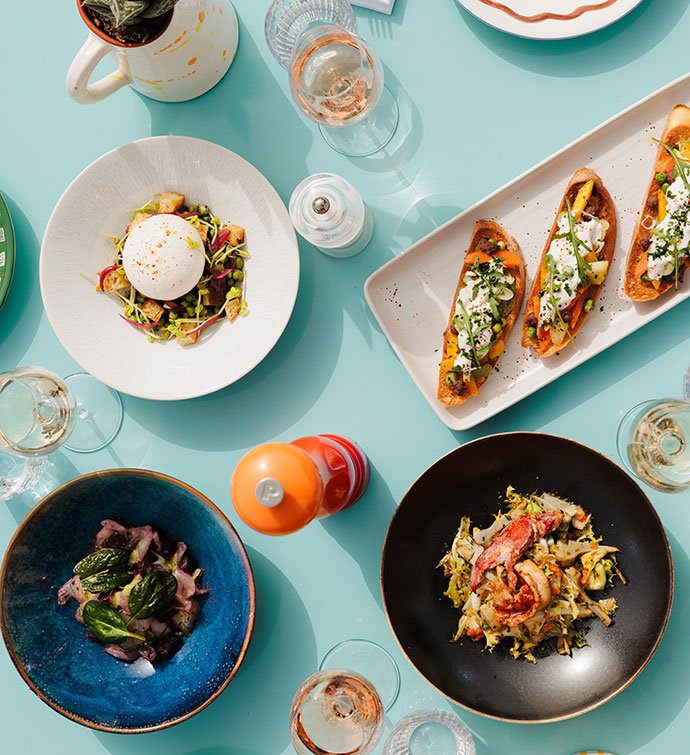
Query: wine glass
x,y
336,78
370,661
654,443
40,412
341,708
430,732
335,712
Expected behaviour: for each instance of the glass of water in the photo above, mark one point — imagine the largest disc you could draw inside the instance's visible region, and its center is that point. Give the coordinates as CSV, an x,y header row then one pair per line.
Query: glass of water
x,y
40,412
430,732
654,443
336,78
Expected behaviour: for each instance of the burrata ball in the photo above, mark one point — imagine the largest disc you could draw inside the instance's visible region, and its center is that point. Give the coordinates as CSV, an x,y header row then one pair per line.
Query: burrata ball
x,y
163,257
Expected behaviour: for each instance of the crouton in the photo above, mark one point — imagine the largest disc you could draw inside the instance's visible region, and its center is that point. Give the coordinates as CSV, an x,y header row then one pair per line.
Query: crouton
x,y
152,309
190,339
203,232
170,201
236,236
115,281
138,219
232,309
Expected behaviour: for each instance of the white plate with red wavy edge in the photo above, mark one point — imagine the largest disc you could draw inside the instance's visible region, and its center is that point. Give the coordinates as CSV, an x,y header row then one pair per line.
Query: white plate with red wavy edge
x,y
549,19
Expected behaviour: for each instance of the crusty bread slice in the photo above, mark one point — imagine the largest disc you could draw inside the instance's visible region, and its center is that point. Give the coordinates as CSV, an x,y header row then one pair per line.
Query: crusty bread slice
x,y
607,211
492,230
676,131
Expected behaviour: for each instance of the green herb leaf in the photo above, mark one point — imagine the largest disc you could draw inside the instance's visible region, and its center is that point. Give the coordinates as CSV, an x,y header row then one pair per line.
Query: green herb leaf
x,y
152,595
468,328
103,560
106,581
680,166
106,624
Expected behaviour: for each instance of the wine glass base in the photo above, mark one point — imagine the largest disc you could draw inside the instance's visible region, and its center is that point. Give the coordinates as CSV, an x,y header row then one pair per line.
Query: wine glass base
x,y
369,660
99,414
369,135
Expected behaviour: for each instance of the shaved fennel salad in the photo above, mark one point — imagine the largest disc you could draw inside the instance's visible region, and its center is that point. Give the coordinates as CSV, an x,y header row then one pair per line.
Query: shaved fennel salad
x,y
530,576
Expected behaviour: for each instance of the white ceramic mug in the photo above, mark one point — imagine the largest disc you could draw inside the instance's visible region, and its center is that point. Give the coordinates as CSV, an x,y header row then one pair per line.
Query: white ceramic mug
x,y
189,57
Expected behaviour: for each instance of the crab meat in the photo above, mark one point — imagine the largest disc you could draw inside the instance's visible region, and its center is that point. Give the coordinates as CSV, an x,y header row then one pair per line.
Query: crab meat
x,y
509,545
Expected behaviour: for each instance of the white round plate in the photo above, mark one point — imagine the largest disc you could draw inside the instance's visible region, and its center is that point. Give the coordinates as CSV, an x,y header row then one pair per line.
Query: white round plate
x,y
549,19
99,203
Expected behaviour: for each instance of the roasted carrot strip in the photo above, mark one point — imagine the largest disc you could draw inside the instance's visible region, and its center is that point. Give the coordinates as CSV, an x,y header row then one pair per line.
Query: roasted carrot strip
x,y
642,263
510,259
481,256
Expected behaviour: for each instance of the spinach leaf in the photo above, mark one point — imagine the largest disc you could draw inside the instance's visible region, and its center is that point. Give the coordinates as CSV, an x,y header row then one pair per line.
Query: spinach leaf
x,y
103,560
106,624
152,595
106,581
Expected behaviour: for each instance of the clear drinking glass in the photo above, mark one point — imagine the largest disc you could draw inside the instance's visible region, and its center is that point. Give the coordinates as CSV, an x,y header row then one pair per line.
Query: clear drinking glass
x,y
430,732
336,712
40,411
336,78
654,443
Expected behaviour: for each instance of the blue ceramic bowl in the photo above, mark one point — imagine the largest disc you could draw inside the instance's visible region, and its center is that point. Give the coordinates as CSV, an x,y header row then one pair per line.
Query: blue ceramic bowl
x,y
49,647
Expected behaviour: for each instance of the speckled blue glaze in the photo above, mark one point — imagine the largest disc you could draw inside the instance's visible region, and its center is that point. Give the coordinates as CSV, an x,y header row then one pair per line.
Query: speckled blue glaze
x,y
50,648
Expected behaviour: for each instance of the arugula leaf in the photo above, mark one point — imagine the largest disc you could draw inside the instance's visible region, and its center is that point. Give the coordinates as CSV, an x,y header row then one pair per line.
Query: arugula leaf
x,y
468,328
575,242
552,274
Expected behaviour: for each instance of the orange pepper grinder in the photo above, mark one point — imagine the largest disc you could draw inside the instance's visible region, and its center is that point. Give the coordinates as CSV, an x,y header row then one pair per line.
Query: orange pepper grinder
x,y
278,488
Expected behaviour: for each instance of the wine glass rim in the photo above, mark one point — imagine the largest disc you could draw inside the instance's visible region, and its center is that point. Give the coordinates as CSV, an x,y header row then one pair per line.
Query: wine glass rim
x,y
361,46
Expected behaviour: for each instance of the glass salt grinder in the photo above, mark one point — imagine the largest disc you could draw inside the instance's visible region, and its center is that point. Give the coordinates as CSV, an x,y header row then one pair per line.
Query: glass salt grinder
x,y
329,213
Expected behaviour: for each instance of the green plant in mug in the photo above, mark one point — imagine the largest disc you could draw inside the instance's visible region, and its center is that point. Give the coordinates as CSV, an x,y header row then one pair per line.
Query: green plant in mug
x,y
127,12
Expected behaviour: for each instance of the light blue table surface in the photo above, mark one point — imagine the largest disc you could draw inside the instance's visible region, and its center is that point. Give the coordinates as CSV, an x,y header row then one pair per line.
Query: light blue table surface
x,y
485,108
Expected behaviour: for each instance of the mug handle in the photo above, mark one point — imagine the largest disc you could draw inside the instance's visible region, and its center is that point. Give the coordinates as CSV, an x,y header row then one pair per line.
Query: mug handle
x,y
83,65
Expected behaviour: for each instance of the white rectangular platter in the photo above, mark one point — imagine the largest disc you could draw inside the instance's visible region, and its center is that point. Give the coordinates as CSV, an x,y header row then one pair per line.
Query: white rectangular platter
x,y
411,295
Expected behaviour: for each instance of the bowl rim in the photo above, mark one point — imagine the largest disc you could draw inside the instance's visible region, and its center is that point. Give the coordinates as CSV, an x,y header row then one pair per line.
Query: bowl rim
x,y
245,563
606,698
159,142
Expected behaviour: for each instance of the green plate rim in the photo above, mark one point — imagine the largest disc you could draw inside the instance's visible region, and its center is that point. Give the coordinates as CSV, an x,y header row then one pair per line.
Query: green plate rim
x,y
8,270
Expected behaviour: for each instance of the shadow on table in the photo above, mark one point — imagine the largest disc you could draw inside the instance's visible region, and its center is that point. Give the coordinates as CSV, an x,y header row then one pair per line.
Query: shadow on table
x,y
406,140
569,392
635,34
261,123
16,310
648,706
251,716
361,530
375,25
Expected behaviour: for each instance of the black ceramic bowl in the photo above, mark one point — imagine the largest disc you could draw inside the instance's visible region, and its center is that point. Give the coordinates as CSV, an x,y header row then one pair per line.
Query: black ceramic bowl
x,y
472,480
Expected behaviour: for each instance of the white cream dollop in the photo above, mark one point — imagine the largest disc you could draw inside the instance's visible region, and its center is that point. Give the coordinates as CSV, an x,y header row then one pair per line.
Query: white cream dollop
x,y
566,272
674,226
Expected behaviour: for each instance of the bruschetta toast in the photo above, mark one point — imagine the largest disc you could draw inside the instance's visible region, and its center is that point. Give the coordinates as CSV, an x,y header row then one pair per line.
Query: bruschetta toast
x,y
484,309
574,265
660,249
